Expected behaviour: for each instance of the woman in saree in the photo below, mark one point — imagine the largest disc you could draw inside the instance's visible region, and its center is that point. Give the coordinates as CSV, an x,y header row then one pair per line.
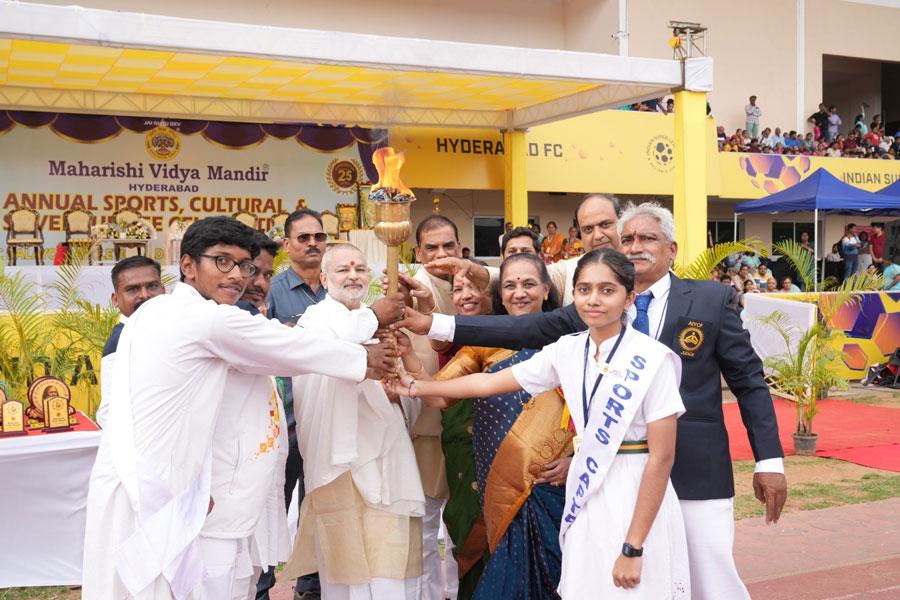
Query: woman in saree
x,y
462,513
522,452
572,247
552,245
622,532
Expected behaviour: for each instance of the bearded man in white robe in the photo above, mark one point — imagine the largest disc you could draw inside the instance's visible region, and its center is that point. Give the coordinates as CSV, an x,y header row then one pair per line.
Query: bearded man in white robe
x,y
361,520
150,489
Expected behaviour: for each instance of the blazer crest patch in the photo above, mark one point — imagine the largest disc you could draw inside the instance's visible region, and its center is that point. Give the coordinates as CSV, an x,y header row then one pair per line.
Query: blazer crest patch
x,y
690,340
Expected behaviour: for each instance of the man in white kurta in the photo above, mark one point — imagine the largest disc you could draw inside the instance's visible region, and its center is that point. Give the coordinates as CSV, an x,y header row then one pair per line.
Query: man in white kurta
x,y
247,529
150,487
362,515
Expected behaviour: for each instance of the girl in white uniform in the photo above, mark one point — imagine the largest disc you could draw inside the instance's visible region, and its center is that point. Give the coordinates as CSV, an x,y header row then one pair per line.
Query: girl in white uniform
x,y
622,534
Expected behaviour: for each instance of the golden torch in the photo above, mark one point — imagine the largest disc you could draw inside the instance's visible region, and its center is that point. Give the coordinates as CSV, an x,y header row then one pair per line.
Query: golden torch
x,y
392,201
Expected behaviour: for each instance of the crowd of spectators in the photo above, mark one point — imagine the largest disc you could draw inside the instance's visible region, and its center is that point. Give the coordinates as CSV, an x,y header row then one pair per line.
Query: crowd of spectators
x,y
861,140
856,252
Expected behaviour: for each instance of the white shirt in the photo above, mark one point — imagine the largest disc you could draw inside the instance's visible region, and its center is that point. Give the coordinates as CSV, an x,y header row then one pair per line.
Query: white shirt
x,y
107,363
561,364
179,351
443,328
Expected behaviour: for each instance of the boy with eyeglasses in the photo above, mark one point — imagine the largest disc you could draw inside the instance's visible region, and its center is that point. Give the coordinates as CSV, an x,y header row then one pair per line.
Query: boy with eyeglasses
x,y
179,359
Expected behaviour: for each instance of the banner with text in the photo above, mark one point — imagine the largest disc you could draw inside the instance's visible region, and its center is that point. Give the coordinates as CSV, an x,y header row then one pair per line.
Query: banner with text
x,y
166,174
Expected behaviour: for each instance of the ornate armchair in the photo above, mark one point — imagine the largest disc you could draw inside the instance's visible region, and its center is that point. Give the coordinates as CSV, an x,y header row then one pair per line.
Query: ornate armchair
x,y
24,232
248,219
130,222
174,235
276,231
77,225
331,224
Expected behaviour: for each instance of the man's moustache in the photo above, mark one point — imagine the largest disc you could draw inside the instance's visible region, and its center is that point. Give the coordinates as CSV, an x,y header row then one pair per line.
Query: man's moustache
x,y
313,250
642,256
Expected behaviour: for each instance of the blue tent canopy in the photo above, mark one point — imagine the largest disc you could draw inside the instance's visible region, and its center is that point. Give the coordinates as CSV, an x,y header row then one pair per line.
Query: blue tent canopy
x,y
891,190
825,193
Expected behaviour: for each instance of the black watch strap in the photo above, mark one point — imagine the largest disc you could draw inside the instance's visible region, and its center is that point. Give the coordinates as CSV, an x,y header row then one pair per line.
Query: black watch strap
x,y
630,551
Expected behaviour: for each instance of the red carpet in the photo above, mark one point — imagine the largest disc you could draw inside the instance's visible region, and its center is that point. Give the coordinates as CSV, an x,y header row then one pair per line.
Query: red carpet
x,y
865,435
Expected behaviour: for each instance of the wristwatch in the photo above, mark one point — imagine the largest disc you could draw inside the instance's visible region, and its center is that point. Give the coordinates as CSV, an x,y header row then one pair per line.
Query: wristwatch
x,y
630,551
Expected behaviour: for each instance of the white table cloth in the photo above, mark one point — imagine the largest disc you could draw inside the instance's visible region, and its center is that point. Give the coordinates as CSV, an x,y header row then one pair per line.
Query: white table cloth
x,y
44,483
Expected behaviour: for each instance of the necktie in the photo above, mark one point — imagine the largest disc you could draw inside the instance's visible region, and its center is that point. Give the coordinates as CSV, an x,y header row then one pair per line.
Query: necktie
x,y
642,319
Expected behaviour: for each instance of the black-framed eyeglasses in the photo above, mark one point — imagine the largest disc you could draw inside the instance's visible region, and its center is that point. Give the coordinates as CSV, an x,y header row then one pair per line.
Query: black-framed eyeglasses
x,y
226,264
304,238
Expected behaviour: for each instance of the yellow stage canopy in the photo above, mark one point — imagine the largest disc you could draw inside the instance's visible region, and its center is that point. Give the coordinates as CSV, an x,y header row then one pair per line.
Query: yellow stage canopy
x,y
71,59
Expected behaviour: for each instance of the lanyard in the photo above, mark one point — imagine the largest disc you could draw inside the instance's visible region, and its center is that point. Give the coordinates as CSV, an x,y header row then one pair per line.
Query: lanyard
x,y
585,401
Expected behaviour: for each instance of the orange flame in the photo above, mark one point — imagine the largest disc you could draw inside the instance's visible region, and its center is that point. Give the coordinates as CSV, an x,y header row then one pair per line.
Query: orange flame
x,y
388,163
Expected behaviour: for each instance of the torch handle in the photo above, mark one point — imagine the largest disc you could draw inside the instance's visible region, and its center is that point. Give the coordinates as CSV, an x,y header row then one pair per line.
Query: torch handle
x,y
393,268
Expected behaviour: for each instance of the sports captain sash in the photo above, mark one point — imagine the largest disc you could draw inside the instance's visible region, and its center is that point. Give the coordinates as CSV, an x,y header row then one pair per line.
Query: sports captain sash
x,y
619,396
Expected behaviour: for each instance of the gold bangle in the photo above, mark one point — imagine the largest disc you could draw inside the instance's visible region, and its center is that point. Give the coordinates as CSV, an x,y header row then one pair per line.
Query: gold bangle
x,y
417,373
429,313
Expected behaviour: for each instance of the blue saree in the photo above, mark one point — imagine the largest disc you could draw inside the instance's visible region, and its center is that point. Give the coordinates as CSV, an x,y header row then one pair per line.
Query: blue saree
x,y
526,559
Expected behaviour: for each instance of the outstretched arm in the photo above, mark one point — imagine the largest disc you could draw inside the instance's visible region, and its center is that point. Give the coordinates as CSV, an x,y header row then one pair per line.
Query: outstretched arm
x,y
535,330
477,385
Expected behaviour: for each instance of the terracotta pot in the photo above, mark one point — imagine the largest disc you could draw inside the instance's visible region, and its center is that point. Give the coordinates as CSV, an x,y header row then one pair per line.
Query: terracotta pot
x,y
805,445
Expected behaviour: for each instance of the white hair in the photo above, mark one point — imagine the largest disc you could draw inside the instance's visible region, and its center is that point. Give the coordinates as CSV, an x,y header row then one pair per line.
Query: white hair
x,y
661,215
332,249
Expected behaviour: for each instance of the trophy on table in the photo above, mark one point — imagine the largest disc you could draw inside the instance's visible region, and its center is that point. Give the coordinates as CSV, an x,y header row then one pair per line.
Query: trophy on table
x,y
49,407
392,201
12,421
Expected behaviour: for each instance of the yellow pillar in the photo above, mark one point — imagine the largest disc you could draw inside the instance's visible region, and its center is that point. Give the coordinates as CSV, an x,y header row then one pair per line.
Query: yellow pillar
x,y
515,184
691,146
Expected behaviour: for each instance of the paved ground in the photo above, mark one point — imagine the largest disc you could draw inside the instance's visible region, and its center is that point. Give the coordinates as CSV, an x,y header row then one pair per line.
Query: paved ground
x,y
850,551
842,553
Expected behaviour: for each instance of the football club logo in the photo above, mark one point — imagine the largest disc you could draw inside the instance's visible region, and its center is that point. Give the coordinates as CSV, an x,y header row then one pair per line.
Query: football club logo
x,y
661,153
162,142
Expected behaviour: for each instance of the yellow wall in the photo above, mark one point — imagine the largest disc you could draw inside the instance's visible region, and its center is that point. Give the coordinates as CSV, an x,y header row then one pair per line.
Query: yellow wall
x,y
614,151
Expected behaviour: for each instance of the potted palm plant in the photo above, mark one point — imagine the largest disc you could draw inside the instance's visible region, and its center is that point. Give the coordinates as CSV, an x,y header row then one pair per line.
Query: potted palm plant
x,y
65,342
803,375
804,372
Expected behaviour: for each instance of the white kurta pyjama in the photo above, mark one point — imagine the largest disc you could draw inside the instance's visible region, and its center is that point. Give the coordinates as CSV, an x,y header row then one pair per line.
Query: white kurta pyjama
x,y
344,427
151,482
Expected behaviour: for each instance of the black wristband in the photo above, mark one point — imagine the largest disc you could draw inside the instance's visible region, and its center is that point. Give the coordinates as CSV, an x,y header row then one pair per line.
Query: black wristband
x,y
630,551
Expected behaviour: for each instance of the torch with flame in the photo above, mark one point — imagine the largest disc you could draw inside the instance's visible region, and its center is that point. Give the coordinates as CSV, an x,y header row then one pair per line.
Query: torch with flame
x,y
392,201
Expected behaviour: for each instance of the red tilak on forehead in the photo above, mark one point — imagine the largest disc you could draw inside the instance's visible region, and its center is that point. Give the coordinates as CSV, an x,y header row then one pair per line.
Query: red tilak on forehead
x,y
352,263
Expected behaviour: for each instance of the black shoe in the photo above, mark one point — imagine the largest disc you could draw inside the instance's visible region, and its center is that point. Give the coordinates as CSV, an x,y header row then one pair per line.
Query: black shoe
x,y
307,595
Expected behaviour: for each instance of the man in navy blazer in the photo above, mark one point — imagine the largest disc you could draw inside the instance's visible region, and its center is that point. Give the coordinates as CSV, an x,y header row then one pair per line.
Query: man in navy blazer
x,y
699,321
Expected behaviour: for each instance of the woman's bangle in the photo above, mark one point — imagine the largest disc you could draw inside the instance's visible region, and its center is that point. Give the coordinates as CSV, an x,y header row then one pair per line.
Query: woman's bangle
x,y
417,373
429,313
409,392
